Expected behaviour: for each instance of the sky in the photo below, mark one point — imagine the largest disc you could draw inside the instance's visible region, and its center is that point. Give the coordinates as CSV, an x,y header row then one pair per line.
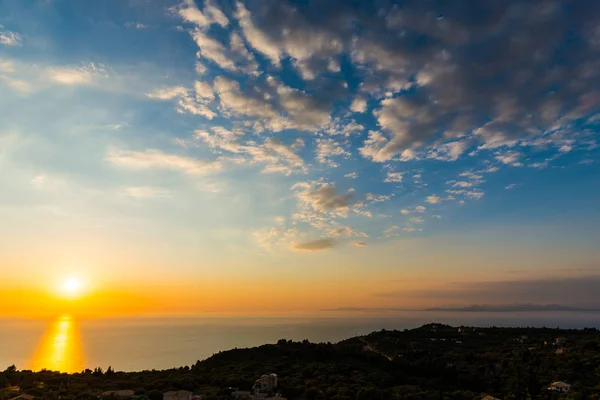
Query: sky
x,y
189,157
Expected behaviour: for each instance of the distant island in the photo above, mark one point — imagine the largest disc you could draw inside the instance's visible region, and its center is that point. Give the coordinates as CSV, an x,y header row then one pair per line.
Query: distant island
x,y
433,362
479,308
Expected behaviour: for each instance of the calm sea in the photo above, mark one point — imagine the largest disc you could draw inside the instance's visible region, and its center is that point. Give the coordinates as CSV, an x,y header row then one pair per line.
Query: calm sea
x,y
150,343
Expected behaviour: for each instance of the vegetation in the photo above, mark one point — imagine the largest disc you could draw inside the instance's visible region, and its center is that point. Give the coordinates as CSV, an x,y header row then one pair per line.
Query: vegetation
x,y
431,362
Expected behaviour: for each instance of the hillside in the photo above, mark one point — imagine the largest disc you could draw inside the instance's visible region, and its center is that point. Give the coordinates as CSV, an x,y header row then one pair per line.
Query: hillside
x,y
431,362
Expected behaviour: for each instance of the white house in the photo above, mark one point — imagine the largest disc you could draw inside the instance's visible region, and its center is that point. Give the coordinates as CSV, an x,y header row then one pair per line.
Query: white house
x,y
266,383
178,395
560,386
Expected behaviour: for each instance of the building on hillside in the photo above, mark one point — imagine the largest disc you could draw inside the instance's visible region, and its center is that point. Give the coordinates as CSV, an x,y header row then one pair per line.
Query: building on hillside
x,y
23,396
240,394
276,397
560,387
178,395
124,394
266,383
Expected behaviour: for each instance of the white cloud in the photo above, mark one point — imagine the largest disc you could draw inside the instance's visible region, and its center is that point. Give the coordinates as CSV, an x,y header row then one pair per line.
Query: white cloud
x,y
433,199
145,192
203,90
351,175
136,25
256,37
511,186
189,12
394,177
343,127
168,93
359,105
151,158
510,158
420,209
417,220
9,38
200,68
404,212
391,231
327,148
377,198
75,75
213,50
462,184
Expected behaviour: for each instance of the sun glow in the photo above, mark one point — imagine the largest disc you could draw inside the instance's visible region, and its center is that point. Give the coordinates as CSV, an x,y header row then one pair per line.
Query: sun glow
x,y
72,287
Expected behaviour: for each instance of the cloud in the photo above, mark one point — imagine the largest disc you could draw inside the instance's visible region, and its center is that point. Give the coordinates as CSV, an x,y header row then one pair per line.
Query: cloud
x,y
168,93
359,244
417,220
189,12
136,25
359,105
315,245
276,105
510,158
145,192
277,30
511,186
351,175
326,149
275,154
149,159
75,75
404,212
433,199
420,209
394,177
323,197
9,38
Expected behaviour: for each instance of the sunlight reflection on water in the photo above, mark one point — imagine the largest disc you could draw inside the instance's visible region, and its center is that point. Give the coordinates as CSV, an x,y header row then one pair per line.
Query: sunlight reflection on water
x,y
60,348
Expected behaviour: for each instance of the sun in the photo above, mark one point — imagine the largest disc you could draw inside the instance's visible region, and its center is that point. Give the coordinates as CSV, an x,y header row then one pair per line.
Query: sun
x,y
72,287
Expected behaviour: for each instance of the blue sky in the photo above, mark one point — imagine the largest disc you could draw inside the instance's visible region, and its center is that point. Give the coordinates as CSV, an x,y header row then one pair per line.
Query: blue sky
x,y
262,132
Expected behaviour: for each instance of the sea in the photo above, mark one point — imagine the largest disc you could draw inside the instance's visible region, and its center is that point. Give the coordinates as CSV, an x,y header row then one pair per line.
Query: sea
x,y
69,344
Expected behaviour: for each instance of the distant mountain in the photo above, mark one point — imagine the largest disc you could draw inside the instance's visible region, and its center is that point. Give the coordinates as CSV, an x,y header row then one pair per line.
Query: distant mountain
x,y
478,308
512,308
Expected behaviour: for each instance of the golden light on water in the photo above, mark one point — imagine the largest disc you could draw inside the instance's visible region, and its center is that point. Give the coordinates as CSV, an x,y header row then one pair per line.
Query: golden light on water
x,y
60,348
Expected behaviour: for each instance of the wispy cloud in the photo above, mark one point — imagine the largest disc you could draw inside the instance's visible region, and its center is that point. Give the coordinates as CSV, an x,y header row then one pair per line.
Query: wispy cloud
x,y
152,158
315,245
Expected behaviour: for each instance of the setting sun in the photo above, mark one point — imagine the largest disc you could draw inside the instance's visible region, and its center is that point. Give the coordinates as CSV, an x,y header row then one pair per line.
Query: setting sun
x,y
72,287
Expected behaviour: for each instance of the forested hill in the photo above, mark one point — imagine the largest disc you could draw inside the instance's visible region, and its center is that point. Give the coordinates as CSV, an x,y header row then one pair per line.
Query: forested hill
x,y
431,362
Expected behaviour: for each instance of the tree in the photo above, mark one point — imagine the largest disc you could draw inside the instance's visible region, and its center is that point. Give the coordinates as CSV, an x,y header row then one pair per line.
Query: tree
x,y
155,395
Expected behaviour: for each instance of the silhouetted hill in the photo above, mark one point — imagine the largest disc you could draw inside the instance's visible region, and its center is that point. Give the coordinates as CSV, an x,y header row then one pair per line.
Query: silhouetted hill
x,y
433,362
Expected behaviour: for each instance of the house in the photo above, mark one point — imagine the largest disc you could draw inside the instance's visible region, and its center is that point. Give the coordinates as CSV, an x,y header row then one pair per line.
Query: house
x,y
240,394
276,397
266,383
178,395
124,394
559,386
23,397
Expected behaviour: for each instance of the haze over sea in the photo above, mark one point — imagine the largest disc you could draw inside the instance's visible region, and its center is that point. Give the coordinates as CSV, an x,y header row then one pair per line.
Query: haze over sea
x,y
131,344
